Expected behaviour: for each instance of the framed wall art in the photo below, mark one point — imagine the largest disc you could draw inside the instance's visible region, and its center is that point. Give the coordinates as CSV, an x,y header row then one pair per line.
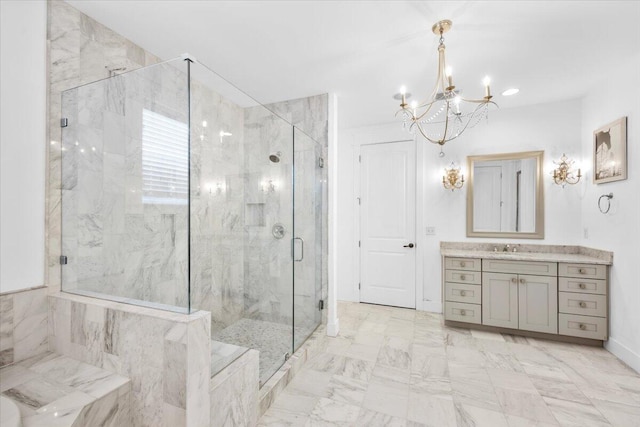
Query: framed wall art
x,y
610,152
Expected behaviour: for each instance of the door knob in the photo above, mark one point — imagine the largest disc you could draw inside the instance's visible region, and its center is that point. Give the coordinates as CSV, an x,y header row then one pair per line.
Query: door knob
x,y
410,245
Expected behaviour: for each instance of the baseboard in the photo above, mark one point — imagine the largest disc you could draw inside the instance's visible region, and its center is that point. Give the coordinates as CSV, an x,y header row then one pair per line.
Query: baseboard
x,y
623,353
431,306
333,328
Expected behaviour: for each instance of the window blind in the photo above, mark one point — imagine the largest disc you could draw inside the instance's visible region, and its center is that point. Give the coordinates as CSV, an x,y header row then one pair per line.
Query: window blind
x,y
165,160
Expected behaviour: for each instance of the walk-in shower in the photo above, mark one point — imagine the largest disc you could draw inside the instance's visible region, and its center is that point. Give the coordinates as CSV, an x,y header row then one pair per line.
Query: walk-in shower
x,y
182,193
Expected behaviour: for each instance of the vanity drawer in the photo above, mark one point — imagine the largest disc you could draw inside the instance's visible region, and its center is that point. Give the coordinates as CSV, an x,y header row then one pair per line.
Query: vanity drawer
x,y
592,271
463,293
461,312
585,286
582,326
457,276
520,267
584,304
471,264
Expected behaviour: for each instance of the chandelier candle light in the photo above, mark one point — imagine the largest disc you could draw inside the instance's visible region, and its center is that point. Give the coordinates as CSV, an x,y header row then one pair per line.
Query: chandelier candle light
x,y
452,178
564,173
446,114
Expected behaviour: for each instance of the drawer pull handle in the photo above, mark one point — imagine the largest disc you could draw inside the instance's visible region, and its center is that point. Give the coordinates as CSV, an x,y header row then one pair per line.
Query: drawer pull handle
x,y
462,293
522,281
583,326
582,286
462,264
463,313
583,304
582,271
463,277
514,280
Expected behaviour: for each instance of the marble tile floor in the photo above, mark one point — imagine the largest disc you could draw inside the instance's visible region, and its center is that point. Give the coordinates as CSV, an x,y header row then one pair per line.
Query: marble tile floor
x,y
398,367
50,389
272,340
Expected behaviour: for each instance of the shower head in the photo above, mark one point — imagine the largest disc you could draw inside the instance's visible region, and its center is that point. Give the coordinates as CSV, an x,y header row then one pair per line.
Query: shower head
x,y
275,157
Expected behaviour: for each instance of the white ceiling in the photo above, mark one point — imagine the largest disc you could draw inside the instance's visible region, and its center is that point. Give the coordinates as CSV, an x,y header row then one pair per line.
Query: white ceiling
x,y
365,50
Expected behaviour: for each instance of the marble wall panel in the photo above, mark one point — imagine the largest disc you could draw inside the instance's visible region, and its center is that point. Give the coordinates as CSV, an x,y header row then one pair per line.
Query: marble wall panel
x,y
234,393
217,209
166,355
267,292
81,51
23,325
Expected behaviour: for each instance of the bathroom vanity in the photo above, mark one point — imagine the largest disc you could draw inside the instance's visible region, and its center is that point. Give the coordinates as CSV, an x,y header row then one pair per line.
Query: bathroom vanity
x,y
556,292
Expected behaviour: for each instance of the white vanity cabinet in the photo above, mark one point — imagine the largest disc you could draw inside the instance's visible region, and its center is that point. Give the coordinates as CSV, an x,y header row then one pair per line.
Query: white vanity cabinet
x,y
513,299
582,300
462,290
545,297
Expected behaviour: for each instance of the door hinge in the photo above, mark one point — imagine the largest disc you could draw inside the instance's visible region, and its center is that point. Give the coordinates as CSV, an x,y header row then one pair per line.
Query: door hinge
x,y
321,304
359,200
359,159
320,162
64,122
359,244
359,284
63,260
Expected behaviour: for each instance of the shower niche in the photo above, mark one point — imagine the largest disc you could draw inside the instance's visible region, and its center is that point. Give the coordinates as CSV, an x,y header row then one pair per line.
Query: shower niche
x,y
172,180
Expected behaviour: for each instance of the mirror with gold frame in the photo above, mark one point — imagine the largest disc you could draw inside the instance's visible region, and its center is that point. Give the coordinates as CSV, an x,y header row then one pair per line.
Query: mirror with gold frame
x,y
505,195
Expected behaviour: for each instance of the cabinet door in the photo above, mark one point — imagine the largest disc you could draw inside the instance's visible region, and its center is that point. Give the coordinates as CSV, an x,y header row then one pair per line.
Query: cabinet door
x,y
538,303
500,300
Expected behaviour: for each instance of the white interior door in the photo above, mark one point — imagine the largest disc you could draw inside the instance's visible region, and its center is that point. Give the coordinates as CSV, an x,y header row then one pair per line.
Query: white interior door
x,y
387,224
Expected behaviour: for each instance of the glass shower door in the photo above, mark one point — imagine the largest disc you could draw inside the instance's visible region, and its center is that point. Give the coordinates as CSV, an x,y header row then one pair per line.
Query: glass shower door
x,y
307,239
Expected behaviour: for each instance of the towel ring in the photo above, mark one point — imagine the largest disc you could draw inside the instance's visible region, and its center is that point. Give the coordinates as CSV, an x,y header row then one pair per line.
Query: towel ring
x,y
609,197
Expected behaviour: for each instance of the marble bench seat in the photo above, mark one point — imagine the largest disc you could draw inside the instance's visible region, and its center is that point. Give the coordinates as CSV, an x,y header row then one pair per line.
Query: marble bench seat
x,y
51,389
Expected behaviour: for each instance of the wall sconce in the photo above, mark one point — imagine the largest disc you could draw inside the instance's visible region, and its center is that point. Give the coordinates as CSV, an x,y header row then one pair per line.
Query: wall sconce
x,y
564,173
452,178
217,189
203,130
268,186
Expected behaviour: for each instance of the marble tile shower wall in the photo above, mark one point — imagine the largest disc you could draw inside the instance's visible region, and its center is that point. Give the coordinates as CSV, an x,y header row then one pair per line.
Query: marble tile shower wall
x,y
116,242
311,115
23,325
268,293
81,51
267,198
228,282
217,207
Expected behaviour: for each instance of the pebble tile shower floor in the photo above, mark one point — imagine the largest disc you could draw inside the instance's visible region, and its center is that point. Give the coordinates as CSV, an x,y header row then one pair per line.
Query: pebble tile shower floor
x,y
399,367
271,339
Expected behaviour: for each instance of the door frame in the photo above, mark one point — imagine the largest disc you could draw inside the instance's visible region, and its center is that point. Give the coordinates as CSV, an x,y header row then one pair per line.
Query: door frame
x,y
419,220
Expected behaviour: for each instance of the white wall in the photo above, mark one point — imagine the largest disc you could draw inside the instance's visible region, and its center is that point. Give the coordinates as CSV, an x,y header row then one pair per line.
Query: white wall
x,y
554,128
22,143
619,230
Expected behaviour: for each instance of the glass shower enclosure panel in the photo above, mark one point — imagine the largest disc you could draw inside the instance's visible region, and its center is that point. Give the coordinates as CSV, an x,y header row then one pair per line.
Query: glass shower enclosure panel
x,y
241,220
180,192
307,241
125,201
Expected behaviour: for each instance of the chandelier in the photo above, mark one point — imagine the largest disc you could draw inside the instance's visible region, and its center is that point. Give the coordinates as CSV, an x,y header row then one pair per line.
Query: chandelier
x,y
564,173
445,114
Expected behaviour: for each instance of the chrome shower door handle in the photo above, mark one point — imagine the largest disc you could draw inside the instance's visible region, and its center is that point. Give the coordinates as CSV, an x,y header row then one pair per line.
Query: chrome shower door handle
x,y
293,249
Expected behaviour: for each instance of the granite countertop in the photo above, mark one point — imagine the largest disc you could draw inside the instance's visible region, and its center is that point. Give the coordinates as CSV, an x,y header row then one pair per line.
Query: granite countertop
x,y
527,252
